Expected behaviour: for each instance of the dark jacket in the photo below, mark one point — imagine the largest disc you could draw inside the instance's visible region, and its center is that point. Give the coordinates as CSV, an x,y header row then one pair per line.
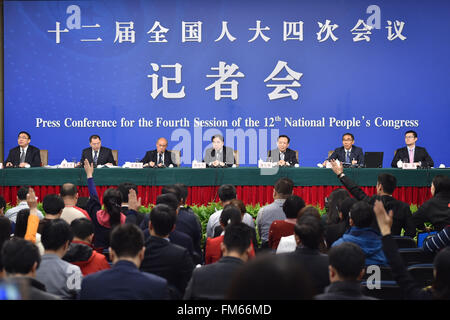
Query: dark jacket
x,y
212,281
316,264
343,290
32,157
189,223
436,210
183,240
123,282
289,156
152,156
135,217
420,154
89,260
169,261
334,231
355,154
402,212
104,156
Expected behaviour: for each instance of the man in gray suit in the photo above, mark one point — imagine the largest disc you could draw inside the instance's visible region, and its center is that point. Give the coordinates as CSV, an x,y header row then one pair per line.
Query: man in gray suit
x,y
219,156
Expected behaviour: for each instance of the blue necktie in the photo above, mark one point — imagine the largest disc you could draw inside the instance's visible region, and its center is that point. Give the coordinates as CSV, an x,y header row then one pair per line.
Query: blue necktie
x,y
95,156
347,156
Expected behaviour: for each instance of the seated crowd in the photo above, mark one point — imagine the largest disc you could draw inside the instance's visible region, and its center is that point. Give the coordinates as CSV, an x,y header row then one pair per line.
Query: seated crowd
x,y
110,250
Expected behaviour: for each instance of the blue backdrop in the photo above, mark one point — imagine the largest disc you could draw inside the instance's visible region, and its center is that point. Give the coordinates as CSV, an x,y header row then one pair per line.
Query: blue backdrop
x,y
104,64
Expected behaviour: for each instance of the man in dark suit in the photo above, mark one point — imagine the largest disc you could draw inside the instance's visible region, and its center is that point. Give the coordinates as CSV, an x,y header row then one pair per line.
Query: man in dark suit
x,y
346,269
96,153
124,281
159,157
348,154
412,153
309,232
219,156
24,155
283,155
163,258
212,281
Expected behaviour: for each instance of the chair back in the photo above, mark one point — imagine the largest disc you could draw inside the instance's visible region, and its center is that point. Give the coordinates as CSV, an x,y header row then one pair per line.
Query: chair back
x,y
422,273
236,157
412,256
177,155
405,242
44,157
115,154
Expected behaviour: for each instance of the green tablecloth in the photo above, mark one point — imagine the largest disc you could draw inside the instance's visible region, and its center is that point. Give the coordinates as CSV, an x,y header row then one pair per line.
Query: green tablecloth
x,y
211,177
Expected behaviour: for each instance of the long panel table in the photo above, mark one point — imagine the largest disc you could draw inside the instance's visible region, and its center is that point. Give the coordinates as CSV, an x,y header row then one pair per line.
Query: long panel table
x,y
254,185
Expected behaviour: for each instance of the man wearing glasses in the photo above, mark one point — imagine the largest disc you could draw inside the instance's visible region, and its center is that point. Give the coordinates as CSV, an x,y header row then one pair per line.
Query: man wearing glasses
x,y
348,154
24,155
159,157
412,153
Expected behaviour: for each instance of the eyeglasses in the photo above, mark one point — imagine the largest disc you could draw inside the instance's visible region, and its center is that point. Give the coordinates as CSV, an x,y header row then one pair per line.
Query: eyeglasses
x,y
409,137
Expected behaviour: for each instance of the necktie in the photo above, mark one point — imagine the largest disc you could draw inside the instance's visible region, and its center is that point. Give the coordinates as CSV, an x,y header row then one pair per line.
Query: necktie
x,y
95,156
347,156
282,156
411,156
22,156
160,158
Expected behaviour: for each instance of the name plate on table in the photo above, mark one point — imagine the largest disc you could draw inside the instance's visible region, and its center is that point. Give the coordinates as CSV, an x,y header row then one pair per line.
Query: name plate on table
x,y
409,165
198,165
136,165
67,165
266,165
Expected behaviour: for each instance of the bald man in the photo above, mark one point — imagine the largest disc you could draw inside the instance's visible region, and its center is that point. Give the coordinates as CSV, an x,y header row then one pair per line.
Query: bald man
x,y
159,157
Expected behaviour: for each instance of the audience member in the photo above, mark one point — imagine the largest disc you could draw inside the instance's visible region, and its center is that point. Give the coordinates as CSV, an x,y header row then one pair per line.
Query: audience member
x,y
211,282
187,220
346,269
437,241
288,243
124,189
59,277
437,209
332,203
124,281
270,277
231,215
80,252
22,219
337,230
361,233
175,236
104,220
282,190
69,194
53,206
308,236
226,193
5,234
11,214
284,228
164,258
440,288
21,259
386,184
